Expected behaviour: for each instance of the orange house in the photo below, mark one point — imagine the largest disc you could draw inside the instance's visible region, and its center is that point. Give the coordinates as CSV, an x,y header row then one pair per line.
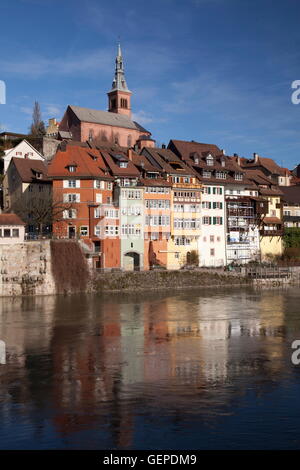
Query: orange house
x,y
83,203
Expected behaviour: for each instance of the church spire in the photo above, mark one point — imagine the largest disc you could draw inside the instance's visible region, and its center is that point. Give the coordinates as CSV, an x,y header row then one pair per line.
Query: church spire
x,y
119,82
119,95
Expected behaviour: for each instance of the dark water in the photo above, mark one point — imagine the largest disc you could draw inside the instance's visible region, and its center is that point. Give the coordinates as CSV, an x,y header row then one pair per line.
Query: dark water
x,y
176,370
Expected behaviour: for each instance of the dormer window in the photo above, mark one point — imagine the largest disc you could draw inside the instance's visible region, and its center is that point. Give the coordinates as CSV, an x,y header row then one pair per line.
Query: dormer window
x,y
71,168
206,174
238,176
123,164
209,160
221,175
37,174
222,162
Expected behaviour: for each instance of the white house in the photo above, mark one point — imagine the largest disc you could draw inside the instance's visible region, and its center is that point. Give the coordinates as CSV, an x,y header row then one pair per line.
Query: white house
x,y
212,240
23,150
12,229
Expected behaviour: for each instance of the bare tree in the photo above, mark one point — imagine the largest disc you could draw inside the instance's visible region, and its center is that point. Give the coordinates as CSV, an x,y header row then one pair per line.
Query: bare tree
x,y
41,212
37,127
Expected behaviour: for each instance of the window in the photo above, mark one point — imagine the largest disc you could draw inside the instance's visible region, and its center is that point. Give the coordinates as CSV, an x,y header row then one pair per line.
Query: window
x,y
91,134
206,220
206,174
97,231
238,176
99,184
72,168
72,183
212,238
72,197
221,175
98,197
70,214
84,230
109,186
212,252
6,232
123,164
209,160
123,103
97,213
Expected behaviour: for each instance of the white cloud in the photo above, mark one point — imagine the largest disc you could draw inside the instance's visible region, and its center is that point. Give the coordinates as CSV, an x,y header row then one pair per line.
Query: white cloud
x,y
33,66
142,117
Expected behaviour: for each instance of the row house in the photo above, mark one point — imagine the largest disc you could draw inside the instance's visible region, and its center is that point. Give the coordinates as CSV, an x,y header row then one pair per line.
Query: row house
x,y
83,186
128,199
185,218
291,206
27,191
207,163
157,212
271,220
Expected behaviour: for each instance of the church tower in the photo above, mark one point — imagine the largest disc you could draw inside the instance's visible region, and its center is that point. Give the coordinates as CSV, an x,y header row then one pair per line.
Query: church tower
x,y
119,95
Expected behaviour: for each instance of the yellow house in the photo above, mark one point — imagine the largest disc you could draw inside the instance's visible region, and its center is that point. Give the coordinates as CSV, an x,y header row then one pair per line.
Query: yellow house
x,y
185,222
271,232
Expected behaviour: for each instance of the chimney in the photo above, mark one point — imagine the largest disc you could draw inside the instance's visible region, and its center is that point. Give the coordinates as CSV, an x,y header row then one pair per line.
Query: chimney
x,y
223,151
129,154
238,159
163,146
255,156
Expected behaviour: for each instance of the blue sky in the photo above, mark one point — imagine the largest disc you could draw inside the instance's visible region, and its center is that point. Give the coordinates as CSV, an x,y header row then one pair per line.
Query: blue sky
x,y
216,71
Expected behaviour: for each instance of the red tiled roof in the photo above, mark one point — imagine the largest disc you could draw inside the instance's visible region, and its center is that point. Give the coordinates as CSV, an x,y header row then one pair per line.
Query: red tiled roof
x,y
10,219
266,163
130,171
89,163
27,169
157,182
184,148
291,194
271,220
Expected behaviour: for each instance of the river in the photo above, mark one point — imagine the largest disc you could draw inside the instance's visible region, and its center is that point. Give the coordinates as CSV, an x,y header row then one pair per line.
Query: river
x,y
193,369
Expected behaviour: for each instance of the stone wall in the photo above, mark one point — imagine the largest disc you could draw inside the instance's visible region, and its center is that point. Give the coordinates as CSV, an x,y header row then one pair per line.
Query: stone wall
x,y
25,269
148,280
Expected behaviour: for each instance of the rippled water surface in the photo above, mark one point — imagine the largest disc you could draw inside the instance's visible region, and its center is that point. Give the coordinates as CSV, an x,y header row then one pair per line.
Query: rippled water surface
x,y
176,370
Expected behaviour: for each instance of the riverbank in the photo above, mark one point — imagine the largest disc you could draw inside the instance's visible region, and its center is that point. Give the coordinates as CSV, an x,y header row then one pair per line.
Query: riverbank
x,y
153,280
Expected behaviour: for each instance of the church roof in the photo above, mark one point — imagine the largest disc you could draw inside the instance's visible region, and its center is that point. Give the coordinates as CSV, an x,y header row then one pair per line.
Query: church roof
x,y
105,117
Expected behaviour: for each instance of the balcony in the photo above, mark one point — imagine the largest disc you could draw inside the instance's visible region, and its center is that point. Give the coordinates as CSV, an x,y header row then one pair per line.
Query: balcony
x,y
271,233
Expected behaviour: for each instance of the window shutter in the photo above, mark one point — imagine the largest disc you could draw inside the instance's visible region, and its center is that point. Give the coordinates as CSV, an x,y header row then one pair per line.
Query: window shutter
x,y
65,184
214,205
214,220
77,183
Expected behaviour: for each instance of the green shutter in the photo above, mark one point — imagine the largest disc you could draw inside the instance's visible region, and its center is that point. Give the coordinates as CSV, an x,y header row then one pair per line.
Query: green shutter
x,y
214,190
214,205
214,220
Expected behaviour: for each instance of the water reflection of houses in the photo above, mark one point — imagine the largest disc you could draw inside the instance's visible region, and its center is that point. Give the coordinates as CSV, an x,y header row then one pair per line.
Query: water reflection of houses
x,y
109,360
